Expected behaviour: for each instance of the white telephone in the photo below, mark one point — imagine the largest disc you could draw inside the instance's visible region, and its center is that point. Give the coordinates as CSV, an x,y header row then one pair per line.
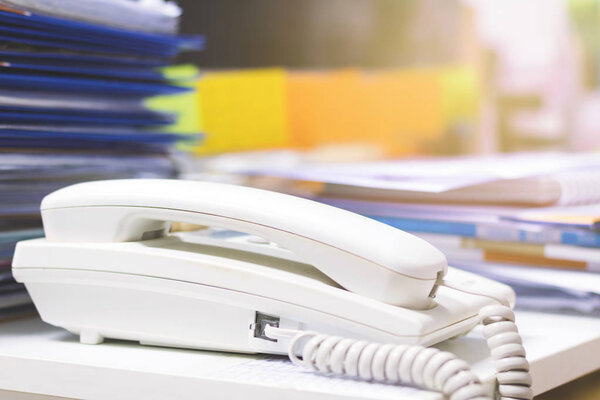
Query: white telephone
x,y
108,268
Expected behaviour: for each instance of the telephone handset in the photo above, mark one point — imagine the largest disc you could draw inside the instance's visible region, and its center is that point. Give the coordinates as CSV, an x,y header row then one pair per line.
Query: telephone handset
x,y
109,267
402,269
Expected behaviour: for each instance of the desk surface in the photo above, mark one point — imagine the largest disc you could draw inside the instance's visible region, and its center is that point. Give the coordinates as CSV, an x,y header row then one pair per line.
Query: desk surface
x,y
39,358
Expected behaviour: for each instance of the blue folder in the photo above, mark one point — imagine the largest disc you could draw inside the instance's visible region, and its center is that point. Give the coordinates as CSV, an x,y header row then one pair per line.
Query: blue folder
x,y
39,30
82,144
78,59
67,84
119,73
134,137
48,116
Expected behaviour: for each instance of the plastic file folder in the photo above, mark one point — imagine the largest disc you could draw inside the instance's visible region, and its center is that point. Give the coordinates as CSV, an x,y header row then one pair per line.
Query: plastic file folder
x,y
397,110
70,84
242,110
411,102
326,107
136,74
38,101
139,142
41,57
78,117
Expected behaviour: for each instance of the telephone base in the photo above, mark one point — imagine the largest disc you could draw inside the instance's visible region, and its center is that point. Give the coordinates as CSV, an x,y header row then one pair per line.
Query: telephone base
x,y
159,312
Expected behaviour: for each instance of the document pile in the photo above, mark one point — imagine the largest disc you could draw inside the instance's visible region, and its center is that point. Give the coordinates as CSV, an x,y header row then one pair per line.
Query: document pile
x,y
498,216
74,79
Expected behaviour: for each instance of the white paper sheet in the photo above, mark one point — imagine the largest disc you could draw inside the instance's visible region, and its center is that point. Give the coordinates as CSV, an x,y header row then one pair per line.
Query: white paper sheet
x,y
439,174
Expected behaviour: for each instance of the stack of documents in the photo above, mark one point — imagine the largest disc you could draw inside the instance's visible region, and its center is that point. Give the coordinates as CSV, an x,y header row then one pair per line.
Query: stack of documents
x,y
75,78
511,217
516,179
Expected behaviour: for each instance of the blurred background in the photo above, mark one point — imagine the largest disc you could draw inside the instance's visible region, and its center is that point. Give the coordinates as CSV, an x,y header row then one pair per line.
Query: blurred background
x,y
476,75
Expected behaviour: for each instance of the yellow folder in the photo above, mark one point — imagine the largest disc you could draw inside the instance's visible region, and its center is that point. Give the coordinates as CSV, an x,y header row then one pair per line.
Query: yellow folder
x,y
242,110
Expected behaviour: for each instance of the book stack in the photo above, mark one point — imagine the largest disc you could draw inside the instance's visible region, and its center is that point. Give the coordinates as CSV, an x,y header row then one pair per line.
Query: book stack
x,y
75,76
529,220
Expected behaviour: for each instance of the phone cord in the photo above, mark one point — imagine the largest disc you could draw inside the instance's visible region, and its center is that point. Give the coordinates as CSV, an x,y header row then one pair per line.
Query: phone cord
x,y
425,367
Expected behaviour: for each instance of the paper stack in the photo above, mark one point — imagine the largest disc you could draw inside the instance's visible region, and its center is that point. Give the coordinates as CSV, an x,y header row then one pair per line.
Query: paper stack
x,y
75,76
498,216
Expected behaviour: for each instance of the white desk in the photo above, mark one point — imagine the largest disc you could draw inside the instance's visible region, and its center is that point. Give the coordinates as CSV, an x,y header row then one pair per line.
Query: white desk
x,y
38,358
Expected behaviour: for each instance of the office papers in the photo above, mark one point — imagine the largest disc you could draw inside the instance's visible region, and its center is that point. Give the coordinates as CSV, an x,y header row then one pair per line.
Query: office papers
x,y
413,196
138,141
25,178
142,15
14,299
68,84
552,267
33,29
64,102
545,290
139,74
32,115
24,81
45,166
535,179
69,59
585,216
7,247
460,248
75,79
15,303
8,285
483,222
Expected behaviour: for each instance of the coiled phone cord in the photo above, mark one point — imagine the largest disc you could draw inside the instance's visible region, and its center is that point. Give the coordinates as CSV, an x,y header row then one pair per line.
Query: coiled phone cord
x,y
425,367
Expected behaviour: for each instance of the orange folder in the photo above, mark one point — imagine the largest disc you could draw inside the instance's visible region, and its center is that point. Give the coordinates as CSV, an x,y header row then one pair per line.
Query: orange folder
x,y
395,110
